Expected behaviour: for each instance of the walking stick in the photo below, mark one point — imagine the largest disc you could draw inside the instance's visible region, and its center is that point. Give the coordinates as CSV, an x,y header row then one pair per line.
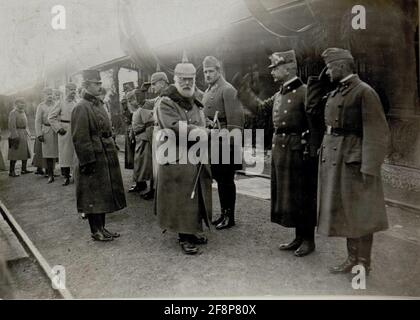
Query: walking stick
x,y
197,178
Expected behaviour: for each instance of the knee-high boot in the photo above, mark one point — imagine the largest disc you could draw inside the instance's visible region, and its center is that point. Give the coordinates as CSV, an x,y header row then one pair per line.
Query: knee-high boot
x,y
351,261
365,251
12,166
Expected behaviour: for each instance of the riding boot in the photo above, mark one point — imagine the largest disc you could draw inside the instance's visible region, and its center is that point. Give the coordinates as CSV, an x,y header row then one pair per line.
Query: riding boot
x,y
50,169
12,166
365,251
66,173
24,169
351,261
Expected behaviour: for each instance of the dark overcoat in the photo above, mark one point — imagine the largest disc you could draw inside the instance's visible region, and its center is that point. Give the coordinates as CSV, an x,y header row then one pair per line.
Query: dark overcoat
x,y
101,191
175,209
349,205
289,206
18,124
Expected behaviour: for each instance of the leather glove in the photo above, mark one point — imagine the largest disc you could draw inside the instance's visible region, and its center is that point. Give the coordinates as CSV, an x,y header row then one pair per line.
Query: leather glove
x,y
88,169
41,138
62,131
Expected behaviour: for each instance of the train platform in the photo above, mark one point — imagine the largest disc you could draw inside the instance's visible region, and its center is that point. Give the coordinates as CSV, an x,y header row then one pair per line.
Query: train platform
x,y
241,262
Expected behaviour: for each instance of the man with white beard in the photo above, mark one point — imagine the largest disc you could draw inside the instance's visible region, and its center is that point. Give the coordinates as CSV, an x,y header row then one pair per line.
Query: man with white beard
x,y
175,209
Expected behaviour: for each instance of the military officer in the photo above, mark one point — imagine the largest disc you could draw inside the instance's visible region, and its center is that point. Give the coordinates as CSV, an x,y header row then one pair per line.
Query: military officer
x,y
45,134
158,84
221,96
142,127
99,185
18,139
128,117
60,117
291,201
175,209
351,199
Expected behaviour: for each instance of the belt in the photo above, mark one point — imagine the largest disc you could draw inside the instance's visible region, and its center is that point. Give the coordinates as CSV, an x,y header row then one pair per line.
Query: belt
x,y
47,124
106,135
341,132
20,127
285,132
65,121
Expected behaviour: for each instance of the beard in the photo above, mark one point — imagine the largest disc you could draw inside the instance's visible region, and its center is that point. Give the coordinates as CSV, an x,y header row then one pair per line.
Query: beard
x,y
186,92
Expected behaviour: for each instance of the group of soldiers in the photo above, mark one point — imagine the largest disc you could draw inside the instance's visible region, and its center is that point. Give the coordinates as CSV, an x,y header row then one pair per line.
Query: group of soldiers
x,y
330,139
53,136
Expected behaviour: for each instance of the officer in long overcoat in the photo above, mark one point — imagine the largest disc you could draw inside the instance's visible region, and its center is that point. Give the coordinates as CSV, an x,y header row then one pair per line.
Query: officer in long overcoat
x,y
45,134
178,111
99,185
142,128
221,97
18,138
292,195
351,200
59,118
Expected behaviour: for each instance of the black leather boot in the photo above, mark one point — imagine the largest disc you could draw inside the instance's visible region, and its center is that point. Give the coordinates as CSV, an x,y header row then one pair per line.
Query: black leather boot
x,y
228,220
66,173
12,172
95,223
24,169
351,261
220,218
308,243
365,251
187,244
295,244
50,170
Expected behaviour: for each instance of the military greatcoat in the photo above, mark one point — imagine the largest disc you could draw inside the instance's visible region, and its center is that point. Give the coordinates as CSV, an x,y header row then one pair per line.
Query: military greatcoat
x,y
59,118
18,130
175,209
355,143
288,173
101,191
43,128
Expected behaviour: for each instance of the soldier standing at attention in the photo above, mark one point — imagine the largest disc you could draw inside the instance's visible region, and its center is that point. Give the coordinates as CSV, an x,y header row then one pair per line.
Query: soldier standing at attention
x,y
59,118
351,200
292,196
45,134
99,185
221,96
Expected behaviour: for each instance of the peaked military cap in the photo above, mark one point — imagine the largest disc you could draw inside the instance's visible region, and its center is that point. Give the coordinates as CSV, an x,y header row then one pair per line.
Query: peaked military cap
x,y
279,58
91,75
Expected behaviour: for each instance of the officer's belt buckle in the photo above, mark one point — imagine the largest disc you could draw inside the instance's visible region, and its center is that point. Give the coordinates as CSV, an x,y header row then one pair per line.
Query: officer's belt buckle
x,y
329,130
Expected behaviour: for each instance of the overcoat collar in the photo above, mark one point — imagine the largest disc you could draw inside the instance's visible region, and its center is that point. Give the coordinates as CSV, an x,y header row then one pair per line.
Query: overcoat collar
x,y
346,86
92,99
296,83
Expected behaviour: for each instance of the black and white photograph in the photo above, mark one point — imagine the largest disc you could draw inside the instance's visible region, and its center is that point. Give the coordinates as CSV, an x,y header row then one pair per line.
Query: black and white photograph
x,y
209,149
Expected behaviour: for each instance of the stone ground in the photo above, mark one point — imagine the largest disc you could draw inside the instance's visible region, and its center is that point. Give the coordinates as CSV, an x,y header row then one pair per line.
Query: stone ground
x,y
241,262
